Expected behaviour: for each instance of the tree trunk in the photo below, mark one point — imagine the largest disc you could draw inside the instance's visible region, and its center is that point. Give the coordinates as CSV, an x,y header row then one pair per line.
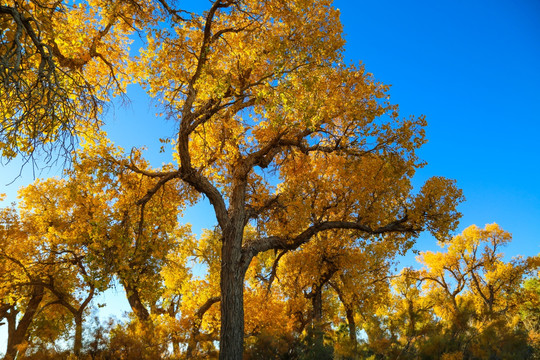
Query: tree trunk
x,y
77,345
352,327
196,327
19,333
349,311
11,317
232,299
176,349
135,303
316,302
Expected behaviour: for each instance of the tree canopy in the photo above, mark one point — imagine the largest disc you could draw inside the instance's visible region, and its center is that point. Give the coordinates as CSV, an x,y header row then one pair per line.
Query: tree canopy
x,y
306,162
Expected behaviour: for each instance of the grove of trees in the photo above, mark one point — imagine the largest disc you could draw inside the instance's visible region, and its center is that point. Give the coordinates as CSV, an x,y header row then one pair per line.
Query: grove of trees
x,y
308,168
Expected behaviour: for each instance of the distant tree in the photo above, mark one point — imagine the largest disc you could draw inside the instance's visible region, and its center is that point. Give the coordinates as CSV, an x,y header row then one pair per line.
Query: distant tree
x,y
71,237
332,282
464,303
530,313
477,291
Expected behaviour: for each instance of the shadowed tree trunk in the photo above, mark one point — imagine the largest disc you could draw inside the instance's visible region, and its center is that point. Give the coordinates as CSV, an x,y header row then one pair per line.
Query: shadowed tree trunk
x,y
232,312
349,312
352,327
232,295
317,325
135,302
77,346
19,333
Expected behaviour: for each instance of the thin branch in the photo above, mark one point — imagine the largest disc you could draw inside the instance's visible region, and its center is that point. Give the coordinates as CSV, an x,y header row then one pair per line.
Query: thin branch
x,y
274,270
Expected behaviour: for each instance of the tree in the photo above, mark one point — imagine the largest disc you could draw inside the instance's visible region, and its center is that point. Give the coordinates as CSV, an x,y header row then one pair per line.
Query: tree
x,y
476,295
82,231
287,109
26,269
271,126
54,226
132,240
15,299
59,64
337,275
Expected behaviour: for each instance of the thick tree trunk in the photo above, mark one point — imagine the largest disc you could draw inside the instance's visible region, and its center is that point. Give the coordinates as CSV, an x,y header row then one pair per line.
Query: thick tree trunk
x,y
19,334
232,300
352,327
316,302
135,303
11,317
77,345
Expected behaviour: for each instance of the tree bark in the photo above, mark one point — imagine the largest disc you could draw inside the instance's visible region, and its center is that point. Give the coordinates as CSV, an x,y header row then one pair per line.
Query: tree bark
x,y
135,303
77,345
316,302
19,334
352,326
232,302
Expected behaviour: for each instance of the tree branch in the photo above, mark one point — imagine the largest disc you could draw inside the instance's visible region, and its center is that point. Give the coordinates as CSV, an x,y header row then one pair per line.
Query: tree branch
x,y
254,247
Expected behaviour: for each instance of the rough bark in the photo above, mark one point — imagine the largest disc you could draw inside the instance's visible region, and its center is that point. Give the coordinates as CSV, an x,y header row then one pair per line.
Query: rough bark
x,y
317,324
77,345
232,296
232,315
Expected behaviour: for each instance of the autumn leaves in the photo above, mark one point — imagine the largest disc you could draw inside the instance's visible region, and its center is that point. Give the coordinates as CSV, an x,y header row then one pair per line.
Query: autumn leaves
x,y
307,165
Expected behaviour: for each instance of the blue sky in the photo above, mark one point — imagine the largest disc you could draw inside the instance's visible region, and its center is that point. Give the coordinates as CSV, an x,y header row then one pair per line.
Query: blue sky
x,y
472,67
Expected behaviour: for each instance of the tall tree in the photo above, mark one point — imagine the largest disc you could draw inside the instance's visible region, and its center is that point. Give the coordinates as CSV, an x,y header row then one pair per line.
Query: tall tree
x,y
260,93
271,125
26,269
86,229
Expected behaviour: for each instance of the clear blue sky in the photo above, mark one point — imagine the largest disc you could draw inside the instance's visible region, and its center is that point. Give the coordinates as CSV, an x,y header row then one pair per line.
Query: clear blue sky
x,y
472,67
